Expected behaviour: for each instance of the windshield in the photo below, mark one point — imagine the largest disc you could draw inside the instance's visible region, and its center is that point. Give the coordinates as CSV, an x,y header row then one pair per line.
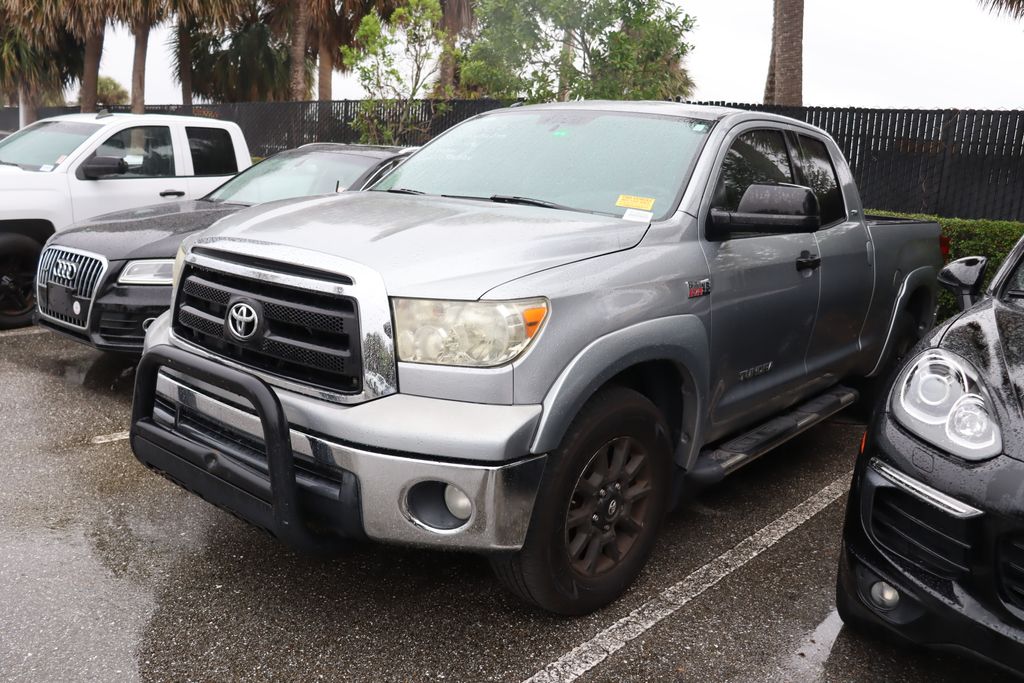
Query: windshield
x,y
293,174
602,162
43,145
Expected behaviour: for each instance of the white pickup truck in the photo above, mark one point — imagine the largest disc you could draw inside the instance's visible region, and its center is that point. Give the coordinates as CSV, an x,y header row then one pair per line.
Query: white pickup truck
x,y
66,169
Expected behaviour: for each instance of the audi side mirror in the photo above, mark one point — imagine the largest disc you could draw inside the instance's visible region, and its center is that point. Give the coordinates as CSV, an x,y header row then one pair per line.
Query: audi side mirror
x,y
768,208
964,278
98,167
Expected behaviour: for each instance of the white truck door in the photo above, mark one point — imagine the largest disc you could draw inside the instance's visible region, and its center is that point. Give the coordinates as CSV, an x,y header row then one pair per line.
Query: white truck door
x,y
212,156
152,173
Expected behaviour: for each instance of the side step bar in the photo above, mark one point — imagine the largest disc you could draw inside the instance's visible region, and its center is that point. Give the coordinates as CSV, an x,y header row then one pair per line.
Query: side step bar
x,y
715,463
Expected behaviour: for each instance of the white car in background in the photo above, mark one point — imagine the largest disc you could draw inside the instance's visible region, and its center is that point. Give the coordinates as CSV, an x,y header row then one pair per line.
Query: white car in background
x,y
67,169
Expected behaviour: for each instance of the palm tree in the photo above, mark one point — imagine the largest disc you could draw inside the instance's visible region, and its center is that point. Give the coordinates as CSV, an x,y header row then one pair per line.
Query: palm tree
x,y
193,14
88,21
784,85
299,29
1012,8
333,24
140,16
246,62
37,56
457,16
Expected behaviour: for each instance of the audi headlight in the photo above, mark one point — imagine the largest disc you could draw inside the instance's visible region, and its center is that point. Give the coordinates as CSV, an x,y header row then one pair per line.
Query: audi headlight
x,y
148,272
468,333
941,398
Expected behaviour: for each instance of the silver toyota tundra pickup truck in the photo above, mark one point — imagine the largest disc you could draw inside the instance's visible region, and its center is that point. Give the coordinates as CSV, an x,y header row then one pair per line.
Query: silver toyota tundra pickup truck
x,y
529,338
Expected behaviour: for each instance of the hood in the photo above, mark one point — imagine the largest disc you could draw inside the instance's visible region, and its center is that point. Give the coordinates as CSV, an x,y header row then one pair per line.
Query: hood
x,y
433,247
991,336
147,232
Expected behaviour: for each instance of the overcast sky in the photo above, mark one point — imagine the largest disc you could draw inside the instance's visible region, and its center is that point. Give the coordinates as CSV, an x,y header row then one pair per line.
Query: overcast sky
x,y
871,53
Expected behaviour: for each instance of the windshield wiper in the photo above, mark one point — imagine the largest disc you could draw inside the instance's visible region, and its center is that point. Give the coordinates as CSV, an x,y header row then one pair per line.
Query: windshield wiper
x,y
9,163
531,201
404,190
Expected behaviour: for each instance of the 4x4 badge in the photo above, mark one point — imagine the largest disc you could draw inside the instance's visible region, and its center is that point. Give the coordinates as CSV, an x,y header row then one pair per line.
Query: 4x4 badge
x,y
699,288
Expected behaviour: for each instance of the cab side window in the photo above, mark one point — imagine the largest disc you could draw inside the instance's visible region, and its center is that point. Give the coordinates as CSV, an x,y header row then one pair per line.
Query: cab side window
x,y
212,151
147,150
820,175
757,156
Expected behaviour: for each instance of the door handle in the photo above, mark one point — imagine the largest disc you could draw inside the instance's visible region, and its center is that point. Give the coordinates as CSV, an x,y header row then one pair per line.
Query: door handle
x,y
808,261
172,193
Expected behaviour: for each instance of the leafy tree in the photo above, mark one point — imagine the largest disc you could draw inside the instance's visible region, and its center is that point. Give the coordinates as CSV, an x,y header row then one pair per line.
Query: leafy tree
x,y
110,92
562,49
395,63
334,24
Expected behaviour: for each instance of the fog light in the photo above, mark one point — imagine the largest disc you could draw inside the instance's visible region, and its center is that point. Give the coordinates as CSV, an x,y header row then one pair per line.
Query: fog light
x,y
884,595
458,503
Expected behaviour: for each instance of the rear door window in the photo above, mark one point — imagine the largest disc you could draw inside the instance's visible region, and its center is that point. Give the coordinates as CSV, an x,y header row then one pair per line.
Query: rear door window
x,y
755,157
213,152
820,175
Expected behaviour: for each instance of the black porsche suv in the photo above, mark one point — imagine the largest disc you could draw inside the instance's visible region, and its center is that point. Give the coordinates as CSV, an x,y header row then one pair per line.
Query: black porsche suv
x,y
933,545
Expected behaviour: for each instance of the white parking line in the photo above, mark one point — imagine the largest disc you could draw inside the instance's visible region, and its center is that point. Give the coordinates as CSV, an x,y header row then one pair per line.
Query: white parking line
x,y
586,656
107,438
23,331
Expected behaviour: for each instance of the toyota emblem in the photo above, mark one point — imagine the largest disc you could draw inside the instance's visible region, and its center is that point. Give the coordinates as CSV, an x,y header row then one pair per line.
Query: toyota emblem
x,y
243,321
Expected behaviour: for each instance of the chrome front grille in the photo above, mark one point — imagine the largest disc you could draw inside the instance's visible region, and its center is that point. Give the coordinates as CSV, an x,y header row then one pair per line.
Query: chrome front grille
x,y
79,272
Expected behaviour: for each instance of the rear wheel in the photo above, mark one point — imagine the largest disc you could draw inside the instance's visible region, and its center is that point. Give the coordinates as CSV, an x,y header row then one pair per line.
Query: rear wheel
x,y
19,256
597,513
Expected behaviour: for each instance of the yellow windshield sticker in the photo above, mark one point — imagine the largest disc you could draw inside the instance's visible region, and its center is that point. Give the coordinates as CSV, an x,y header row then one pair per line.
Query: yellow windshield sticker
x,y
628,201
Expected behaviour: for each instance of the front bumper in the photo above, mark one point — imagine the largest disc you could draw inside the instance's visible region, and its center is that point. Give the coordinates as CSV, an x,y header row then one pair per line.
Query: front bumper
x,y
940,531
120,314
245,457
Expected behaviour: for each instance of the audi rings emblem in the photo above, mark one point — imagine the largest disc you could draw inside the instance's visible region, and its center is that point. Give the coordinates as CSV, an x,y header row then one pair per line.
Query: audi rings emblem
x,y
243,321
64,269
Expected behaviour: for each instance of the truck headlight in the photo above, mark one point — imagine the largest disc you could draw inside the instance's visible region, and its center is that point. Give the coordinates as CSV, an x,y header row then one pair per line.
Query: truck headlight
x,y
179,265
148,272
468,333
941,398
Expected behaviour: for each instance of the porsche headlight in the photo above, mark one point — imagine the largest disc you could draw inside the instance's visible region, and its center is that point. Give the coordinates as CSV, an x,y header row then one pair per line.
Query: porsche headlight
x,y
940,398
468,333
148,272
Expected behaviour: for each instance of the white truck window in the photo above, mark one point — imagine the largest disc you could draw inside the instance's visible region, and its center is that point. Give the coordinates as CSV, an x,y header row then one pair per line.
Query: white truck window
x,y
147,150
212,151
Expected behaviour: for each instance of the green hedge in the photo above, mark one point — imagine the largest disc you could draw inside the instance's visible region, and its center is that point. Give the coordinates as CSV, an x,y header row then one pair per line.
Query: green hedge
x,y
970,237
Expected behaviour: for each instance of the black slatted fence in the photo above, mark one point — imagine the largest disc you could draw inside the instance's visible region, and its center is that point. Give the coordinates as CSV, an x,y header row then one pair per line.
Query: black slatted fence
x,y
954,163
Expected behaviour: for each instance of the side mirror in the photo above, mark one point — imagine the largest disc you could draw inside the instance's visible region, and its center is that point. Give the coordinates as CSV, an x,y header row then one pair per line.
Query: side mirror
x,y
964,278
99,167
771,208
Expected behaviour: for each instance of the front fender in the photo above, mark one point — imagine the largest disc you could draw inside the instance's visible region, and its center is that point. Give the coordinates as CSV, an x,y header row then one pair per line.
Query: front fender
x,y
681,339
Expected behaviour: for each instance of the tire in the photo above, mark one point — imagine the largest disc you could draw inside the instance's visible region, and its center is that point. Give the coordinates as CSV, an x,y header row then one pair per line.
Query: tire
x,y
19,257
620,438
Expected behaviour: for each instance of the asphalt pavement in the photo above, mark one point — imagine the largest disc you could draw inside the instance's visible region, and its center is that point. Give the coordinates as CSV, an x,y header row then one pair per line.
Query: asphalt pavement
x,y
110,573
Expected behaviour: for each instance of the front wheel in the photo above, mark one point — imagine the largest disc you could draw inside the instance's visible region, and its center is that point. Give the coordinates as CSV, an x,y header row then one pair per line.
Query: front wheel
x,y
19,256
598,510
